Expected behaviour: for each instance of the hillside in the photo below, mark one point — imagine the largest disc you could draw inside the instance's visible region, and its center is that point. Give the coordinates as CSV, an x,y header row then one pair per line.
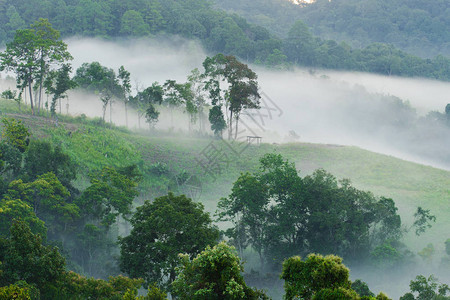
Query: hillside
x,y
417,27
166,158
223,32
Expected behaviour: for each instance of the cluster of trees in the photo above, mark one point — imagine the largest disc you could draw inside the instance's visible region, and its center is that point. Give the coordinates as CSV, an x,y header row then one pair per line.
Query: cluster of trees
x,y
229,85
37,187
30,269
226,87
279,214
221,32
39,58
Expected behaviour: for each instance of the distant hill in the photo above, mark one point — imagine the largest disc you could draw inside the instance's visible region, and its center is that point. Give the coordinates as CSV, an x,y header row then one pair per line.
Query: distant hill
x,y
290,43
418,27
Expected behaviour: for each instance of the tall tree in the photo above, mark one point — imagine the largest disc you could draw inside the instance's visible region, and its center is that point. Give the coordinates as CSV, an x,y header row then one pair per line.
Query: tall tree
x,y
101,80
21,57
125,84
51,51
31,55
161,230
58,83
240,91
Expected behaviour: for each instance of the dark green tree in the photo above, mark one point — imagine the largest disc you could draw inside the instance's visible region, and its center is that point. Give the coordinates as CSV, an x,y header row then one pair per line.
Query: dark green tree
x,y
240,91
100,80
161,230
422,220
31,55
18,209
305,279
51,51
217,120
145,103
24,257
426,289
15,133
42,157
58,83
215,273
279,213
133,24
109,196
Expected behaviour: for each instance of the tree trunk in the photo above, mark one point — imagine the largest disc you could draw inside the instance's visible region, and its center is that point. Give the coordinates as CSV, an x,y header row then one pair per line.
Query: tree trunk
x,y
237,124
126,114
230,130
31,96
110,111
40,95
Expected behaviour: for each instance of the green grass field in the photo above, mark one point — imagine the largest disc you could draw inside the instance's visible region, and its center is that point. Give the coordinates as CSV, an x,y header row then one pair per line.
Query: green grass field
x,y
92,146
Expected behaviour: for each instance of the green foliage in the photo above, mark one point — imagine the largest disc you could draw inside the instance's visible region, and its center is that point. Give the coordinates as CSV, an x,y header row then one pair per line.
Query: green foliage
x,y
371,27
18,209
133,24
75,286
417,27
32,54
47,196
240,93
423,288
24,257
427,253
8,94
382,296
15,133
153,293
14,292
387,256
279,213
110,194
100,80
58,83
161,230
42,157
337,293
215,273
362,288
217,120
11,161
422,220
316,275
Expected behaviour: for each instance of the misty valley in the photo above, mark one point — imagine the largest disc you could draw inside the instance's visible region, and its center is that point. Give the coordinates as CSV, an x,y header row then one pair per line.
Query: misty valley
x,y
197,150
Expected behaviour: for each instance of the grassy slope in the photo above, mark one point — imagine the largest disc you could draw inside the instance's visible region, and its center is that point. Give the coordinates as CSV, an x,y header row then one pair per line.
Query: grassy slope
x,y
409,184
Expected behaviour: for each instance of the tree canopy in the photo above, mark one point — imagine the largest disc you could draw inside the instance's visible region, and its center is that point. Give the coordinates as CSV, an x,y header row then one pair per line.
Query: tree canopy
x,y
161,230
281,214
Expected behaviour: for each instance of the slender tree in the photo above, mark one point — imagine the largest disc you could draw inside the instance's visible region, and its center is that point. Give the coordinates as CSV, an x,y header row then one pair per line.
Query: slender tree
x,y
125,84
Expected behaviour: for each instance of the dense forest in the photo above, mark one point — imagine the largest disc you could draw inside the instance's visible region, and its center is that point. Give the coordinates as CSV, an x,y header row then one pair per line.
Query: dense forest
x,y
417,27
83,201
219,32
